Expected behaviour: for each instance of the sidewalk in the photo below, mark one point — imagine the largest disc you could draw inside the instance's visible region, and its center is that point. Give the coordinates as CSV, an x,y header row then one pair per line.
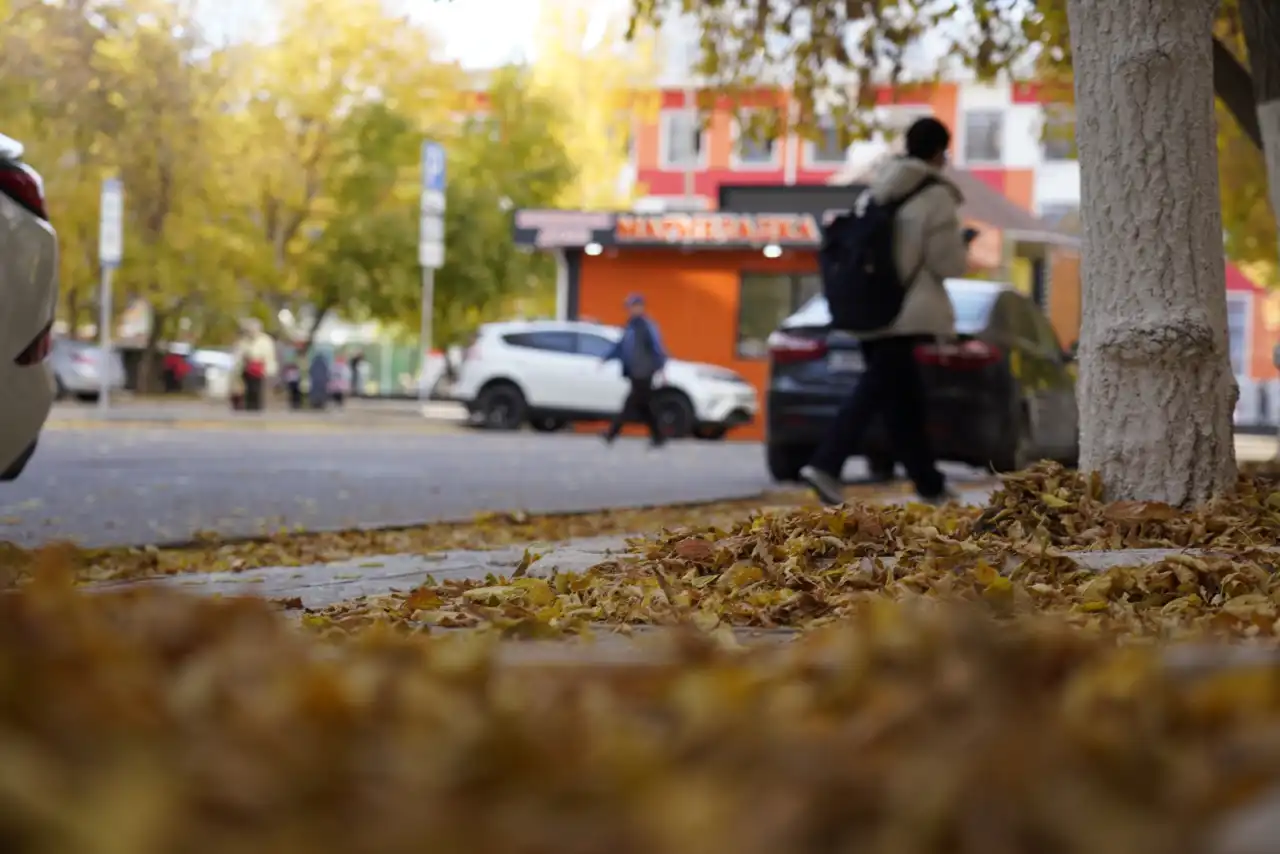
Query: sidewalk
x,y
192,414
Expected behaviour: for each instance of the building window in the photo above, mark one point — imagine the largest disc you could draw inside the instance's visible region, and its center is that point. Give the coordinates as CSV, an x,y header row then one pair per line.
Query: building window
x,y
1059,141
1238,332
983,136
752,144
682,139
764,301
827,150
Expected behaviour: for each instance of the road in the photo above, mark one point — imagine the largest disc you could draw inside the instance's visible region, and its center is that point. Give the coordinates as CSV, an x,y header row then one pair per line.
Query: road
x,y
119,484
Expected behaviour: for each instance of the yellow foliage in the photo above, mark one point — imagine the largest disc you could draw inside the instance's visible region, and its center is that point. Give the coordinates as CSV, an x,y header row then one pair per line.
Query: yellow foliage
x,y
607,85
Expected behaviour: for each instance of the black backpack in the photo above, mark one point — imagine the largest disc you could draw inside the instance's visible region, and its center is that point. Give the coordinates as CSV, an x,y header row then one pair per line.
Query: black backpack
x,y
859,277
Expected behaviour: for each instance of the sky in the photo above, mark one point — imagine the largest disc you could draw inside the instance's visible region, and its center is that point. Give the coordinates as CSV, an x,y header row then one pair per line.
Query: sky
x,y
476,33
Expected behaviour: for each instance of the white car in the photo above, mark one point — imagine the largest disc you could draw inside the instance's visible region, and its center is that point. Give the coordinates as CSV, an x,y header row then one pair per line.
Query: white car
x,y
28,300
547,373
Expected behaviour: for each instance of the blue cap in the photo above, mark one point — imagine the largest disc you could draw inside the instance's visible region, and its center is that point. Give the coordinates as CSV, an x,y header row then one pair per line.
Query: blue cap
x,y
634,300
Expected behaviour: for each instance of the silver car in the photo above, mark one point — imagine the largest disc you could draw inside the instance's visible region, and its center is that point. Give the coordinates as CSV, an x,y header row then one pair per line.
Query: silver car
x,y
78,366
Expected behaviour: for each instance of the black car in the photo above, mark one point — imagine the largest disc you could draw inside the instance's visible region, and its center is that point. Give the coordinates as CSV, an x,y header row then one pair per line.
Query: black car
x,y
1000,396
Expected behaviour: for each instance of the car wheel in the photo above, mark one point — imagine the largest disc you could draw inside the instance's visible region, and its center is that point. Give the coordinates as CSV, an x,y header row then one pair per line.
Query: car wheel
x,y
674,413
711,432
501,406
545,424
881,467
87,397
785,461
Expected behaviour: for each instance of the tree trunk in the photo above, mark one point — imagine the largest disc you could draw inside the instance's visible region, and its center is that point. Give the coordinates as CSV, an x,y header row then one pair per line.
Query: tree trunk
x,y
1156,388
1261,24
147,367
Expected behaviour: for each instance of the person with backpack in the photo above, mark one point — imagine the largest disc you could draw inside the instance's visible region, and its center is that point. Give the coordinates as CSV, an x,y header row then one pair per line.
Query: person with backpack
x,y
642,356
255,363
883,267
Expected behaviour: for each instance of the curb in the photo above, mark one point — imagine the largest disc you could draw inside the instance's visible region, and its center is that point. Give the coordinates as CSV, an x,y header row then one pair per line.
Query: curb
x,y
421,427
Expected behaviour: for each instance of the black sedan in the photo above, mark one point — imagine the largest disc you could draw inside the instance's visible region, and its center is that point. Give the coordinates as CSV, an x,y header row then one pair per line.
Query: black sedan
x,y
1000,396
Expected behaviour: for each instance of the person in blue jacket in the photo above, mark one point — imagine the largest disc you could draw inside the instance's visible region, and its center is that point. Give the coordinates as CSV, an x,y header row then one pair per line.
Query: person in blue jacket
x,y
642,356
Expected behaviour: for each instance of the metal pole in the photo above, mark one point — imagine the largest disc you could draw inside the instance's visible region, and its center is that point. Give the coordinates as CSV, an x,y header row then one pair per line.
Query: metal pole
x,y
424,336
104,339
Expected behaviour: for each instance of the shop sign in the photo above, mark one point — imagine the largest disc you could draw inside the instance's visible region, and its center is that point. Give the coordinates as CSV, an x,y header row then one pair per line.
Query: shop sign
x,y
722,229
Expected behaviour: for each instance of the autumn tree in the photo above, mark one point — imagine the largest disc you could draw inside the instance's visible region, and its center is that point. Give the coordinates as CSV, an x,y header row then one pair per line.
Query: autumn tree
x,y
508,158
328,58
586,64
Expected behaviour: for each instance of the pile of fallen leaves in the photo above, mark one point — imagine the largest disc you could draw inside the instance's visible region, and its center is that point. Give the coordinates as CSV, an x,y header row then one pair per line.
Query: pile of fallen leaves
x,y
1048,503
157,722
1026,552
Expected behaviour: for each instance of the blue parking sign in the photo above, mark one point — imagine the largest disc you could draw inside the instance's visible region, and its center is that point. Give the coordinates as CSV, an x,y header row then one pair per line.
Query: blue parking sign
x,y
432,167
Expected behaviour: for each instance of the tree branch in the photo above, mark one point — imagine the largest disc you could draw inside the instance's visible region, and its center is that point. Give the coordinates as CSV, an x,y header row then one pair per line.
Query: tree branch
x,y
1233,85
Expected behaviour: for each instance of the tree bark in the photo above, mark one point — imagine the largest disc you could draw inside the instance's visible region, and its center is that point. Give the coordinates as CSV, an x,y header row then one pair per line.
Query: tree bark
x,y
1156,388
1261,24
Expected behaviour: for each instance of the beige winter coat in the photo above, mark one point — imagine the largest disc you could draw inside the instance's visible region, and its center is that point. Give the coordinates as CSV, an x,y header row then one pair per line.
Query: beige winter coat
x,y
930,245
259,347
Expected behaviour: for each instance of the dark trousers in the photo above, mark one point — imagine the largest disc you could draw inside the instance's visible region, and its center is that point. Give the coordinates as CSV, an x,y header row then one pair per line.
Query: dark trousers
x,y
252,393
891,387
638,407
295,394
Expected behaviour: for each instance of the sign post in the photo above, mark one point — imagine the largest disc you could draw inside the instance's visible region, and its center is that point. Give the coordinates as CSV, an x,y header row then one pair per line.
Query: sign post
x,y
110,253
430,246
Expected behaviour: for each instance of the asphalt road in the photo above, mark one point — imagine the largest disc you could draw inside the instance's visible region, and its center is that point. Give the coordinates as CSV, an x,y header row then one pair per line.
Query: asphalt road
x,y
135,485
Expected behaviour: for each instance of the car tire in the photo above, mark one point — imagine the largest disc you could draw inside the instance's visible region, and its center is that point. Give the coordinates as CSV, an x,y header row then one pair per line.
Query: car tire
x,y
881,468
87,396
501,406
710,432
674,413
785,461
547,424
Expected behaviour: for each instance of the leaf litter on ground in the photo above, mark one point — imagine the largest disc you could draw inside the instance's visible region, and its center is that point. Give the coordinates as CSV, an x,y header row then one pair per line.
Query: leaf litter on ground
x,y
156,721
805,568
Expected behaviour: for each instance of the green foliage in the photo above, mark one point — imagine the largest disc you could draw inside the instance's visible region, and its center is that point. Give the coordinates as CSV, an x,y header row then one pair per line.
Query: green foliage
x,y
506,160
273,174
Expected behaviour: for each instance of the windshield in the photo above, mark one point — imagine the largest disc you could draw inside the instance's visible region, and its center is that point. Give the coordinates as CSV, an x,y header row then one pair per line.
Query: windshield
x,y
972,307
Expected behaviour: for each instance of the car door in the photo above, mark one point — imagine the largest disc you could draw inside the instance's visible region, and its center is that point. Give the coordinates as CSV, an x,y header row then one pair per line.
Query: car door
x,y
1060,396
603,388
1037,369
547,365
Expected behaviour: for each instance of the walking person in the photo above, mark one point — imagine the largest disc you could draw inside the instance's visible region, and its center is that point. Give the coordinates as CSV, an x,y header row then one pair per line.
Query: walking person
x,y
883,271
255,360
642,356
318,380
292,375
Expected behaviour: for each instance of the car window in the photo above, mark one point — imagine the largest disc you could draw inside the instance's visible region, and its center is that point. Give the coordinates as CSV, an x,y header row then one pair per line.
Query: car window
x,y
555,342
594,345
972,308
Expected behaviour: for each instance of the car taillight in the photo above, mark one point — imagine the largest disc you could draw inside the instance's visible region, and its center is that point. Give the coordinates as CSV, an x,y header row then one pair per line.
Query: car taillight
x,y
964,355
788,349
38,350
24,188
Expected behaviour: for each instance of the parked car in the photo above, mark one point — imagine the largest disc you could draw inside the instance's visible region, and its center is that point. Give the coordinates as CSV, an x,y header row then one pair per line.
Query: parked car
x,y
547,373
29,290
1000,396
78,366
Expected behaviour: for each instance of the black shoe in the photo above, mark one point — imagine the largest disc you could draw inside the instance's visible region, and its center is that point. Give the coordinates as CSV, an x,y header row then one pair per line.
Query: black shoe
x,y
827,486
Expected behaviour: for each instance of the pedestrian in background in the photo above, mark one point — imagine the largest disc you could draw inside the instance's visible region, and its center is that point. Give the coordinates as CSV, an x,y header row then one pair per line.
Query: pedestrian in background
x,y
318,380
292,374
339,380
255,363
921,210
642,356
358,362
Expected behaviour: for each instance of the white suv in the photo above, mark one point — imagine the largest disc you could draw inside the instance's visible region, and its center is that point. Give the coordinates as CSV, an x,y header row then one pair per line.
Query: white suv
x,y
548,373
